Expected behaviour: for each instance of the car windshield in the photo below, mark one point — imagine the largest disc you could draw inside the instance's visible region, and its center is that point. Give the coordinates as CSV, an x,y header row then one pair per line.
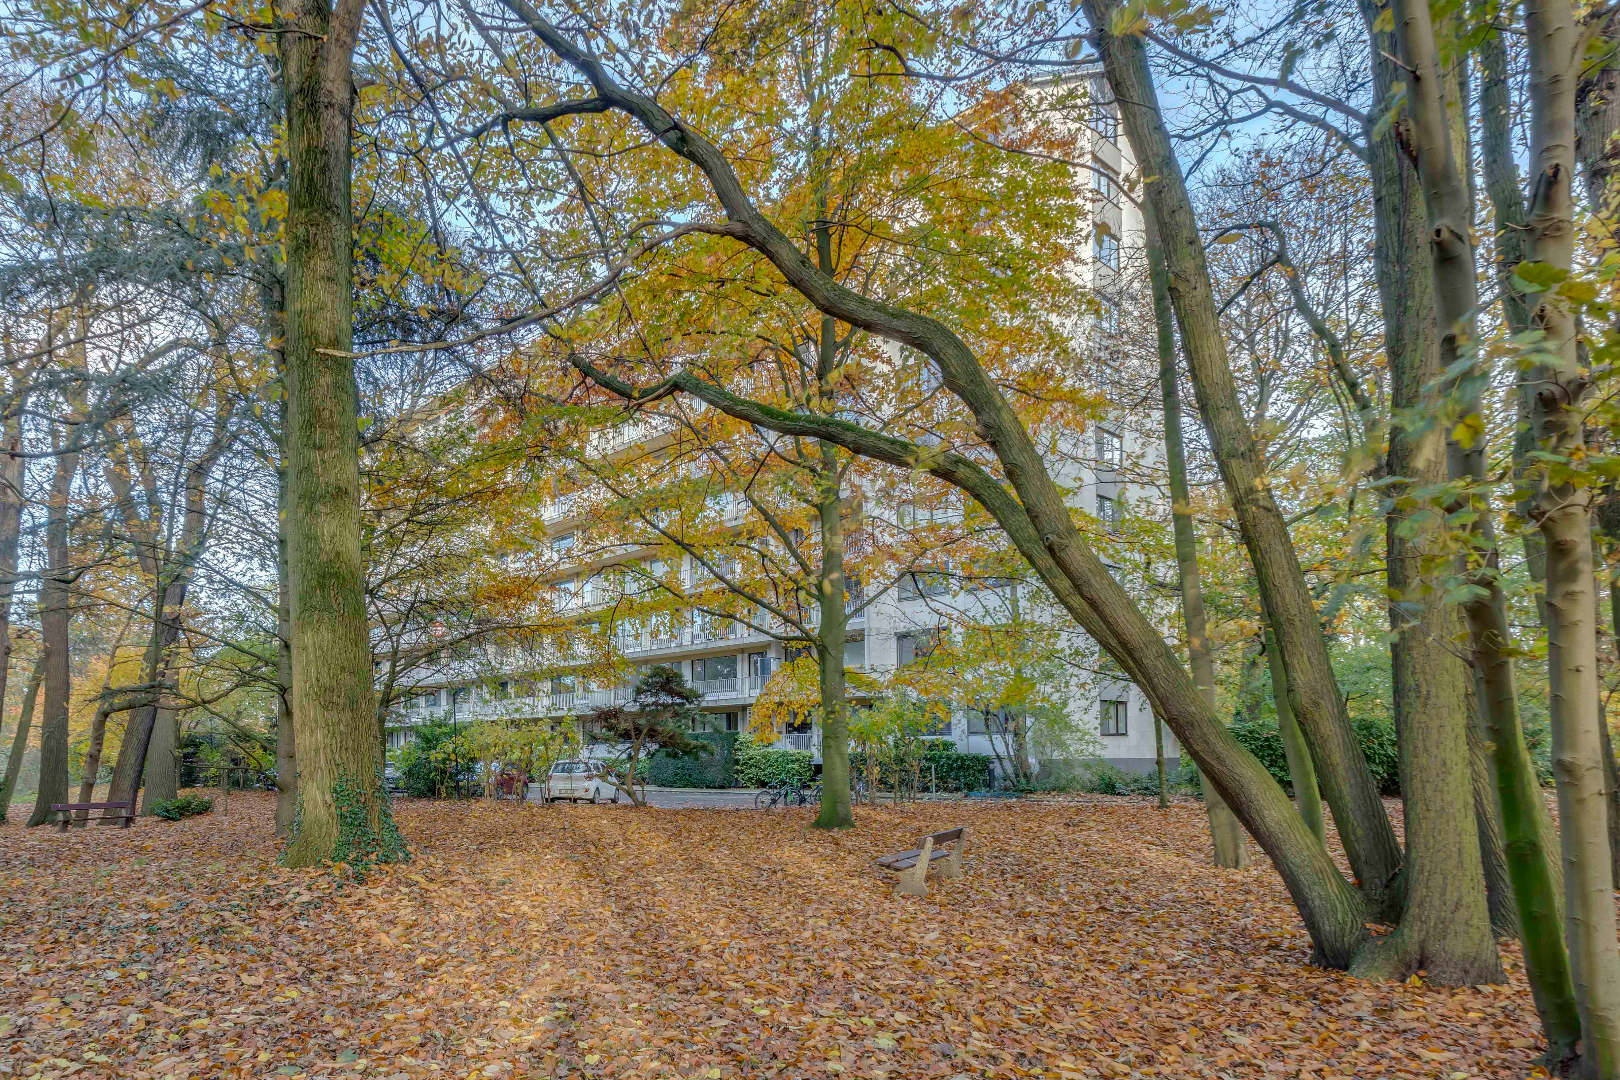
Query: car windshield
x,y
563,768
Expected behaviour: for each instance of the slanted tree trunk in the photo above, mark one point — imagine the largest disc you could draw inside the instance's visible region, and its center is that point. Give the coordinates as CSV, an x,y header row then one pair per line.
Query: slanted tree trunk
x,y
1369,839
55,615
1034,514
344,813
1224,828
1301,773
19,739
1563,512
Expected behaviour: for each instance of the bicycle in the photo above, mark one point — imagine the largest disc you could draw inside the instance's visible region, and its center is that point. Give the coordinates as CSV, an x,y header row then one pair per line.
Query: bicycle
x,y
775,794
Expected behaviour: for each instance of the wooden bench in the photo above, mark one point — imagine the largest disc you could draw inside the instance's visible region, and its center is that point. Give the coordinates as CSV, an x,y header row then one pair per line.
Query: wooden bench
x,y
913,865
109,811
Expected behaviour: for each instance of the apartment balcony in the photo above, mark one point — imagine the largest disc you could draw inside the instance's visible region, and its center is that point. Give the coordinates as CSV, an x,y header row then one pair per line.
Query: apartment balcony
x,y
621,437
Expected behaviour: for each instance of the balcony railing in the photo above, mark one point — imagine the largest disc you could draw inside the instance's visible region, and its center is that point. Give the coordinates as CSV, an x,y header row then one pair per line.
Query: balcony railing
x,y
797,741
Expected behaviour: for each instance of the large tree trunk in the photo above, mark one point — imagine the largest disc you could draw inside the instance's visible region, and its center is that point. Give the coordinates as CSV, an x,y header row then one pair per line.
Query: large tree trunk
x,y
1597,123
12,474
1369,839
1563,512
1225,830
286,731
55,615
836,812
344,812
162,773
19,739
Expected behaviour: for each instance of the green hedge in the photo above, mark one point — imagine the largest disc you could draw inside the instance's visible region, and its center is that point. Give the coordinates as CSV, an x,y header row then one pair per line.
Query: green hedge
x,y
759,766
952,769
716,770
183,807
1377,738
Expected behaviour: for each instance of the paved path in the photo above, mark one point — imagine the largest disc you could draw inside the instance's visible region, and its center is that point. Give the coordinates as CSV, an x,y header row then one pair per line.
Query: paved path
x,y
688,798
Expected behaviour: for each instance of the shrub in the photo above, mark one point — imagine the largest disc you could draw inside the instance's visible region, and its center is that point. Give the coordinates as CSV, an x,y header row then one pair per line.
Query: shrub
x,y
427,766
1376,735
1102,778
759,766
183,807
952,769
716,770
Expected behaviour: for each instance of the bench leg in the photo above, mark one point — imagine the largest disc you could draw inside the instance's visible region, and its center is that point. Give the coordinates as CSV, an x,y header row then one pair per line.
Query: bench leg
x,y
62,820
914,882
953,865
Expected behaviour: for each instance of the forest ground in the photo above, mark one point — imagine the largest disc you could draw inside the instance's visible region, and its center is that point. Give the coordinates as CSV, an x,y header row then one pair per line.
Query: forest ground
x,y
1089,938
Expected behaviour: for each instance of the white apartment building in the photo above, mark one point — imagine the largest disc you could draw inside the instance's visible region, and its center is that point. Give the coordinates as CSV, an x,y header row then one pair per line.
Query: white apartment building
x,y
730,662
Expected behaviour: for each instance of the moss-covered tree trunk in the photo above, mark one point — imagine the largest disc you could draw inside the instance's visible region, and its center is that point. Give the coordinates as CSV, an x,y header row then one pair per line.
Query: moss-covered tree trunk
x,y
1226,832
343,809
1563,512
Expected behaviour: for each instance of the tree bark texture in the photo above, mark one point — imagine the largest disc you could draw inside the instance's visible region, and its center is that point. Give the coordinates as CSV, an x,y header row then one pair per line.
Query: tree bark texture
x,y
1563,512
286,730
836,812
1358,811
344,812
1226,832
1302,774
19,740
55,615
162,773
12,470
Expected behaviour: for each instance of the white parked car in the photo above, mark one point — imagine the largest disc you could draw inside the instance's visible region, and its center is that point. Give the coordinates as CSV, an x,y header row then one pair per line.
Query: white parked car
x,y
576,780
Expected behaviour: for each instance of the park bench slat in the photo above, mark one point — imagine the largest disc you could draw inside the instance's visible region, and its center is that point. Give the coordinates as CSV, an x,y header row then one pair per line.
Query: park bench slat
x,y
930,848
117,810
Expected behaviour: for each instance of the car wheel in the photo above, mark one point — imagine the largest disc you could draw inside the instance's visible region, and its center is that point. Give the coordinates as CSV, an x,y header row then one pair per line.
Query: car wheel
x,y
593,798
615,798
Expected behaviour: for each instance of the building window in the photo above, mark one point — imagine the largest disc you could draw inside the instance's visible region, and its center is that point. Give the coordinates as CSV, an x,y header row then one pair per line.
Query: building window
x,y
1108,511
759,665
714,669
855,653
1104,118
1110,449
562,543
1108,316
1106,248
914,646
1104,184
924,583
1113,718
733,721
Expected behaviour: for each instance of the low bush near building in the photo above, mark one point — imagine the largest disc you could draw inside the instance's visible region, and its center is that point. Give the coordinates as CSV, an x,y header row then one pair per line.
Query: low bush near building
x,y
760,766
